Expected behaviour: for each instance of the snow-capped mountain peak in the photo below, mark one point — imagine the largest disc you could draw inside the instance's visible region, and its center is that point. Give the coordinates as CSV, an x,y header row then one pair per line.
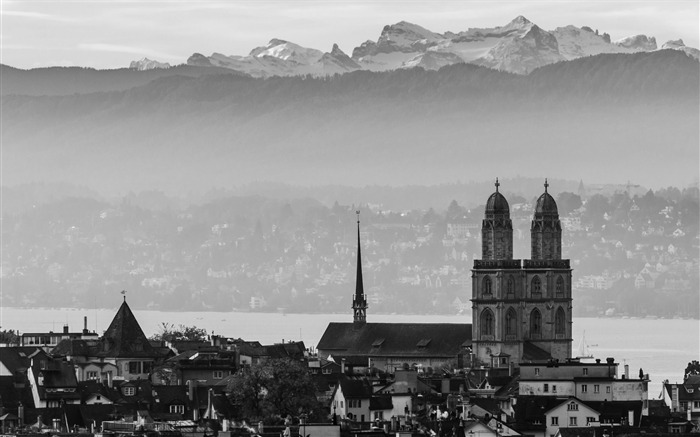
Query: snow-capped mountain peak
x,y
519,46
637,42
147,64
287,51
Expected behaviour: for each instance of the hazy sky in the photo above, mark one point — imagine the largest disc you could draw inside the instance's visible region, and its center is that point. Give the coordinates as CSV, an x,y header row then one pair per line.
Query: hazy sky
x,y
110,34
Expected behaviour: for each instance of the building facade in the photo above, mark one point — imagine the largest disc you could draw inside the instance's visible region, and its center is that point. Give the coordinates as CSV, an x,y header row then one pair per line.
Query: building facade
x,y
521,310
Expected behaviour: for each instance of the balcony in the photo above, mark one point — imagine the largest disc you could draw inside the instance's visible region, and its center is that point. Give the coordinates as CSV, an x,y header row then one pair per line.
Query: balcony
x,y
545,264
496,264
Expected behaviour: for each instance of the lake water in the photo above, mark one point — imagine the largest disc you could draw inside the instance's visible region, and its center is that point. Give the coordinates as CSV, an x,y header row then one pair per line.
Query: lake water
x,y
662,347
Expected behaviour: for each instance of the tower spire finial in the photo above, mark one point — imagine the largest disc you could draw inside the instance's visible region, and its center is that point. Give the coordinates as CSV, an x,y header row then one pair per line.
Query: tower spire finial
x,y
359,303
497,185
546,184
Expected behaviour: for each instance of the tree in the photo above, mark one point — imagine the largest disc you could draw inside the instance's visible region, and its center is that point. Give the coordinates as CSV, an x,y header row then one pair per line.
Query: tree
x,y
567,202
275,389
9,337
693,368
182,333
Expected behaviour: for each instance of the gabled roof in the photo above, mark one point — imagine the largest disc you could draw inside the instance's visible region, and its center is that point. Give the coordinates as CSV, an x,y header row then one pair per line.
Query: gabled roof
x,y
355,388
687,391
17,358
395,339
125,338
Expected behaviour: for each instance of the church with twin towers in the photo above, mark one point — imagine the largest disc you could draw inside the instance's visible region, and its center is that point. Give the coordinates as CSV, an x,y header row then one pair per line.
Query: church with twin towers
x,y
521,309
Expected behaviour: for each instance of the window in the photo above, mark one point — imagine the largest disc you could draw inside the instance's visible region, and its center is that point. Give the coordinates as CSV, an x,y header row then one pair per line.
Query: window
x,y
560,322
511,322
510,287
536,285
326,370
535,322
696,404
596,388
607,389
486,285
537,371
134,367
218,374
98,398
146,367
487,322
554,388
572,421
129,390
546,388
378,415
573,406
585,371
590,420
177,409
560,286
341,404
91,374
584,388
555,420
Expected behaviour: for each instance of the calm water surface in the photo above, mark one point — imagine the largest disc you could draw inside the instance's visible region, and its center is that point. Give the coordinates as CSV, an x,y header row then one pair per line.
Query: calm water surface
x,y
662,347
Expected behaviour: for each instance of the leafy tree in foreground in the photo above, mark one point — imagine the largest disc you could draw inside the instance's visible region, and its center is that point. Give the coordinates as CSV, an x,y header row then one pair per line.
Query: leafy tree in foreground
x,y
275,389
168,332
693,368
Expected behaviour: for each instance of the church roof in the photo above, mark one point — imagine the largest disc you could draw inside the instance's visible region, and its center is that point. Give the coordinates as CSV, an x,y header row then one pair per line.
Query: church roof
x,y
497,204
546,204
125,338
396,339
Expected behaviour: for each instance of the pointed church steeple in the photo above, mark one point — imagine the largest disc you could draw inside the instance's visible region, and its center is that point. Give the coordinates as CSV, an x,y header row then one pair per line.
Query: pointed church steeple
x,y
359,302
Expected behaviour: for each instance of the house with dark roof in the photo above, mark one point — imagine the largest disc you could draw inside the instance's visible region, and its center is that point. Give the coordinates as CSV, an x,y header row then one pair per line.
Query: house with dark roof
x,y
49,340
52,382
684,400
122,353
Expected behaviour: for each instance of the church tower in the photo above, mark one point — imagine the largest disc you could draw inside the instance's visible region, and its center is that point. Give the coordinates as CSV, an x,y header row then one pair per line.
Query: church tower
x,y
359,301
496,289
545,231
548,307
497,228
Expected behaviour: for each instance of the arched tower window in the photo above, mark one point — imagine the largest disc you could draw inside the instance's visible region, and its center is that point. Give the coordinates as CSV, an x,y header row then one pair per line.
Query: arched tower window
x,y
560,285
510,287
486,285
535,323
511,322
487,322
536,285
560,322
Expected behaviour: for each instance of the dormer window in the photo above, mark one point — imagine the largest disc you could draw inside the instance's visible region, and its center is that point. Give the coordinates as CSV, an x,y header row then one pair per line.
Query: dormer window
x,y
378,343
423,343
129,390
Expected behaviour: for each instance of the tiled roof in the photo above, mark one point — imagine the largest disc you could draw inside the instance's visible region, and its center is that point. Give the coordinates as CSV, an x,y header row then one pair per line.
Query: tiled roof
x,y
18,358
395,339
125,338
355,388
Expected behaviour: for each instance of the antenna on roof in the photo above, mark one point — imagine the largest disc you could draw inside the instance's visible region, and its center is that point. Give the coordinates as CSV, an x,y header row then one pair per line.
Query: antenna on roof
x,y
124,294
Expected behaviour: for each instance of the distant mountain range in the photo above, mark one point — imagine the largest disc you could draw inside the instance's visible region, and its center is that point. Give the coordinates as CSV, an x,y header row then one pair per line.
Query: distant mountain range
x,y
608,118
517,47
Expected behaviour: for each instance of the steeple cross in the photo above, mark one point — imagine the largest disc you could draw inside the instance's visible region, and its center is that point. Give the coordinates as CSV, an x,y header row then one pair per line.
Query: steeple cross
x,y
546,184
497,185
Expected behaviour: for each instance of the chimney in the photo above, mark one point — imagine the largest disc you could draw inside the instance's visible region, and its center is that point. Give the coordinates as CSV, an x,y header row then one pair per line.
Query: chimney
x,y
65,329
342,366
20,414
110,382
85,330
627,371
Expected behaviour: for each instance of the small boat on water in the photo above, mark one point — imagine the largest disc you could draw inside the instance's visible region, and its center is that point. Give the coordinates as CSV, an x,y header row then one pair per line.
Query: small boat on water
x,y
583,350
